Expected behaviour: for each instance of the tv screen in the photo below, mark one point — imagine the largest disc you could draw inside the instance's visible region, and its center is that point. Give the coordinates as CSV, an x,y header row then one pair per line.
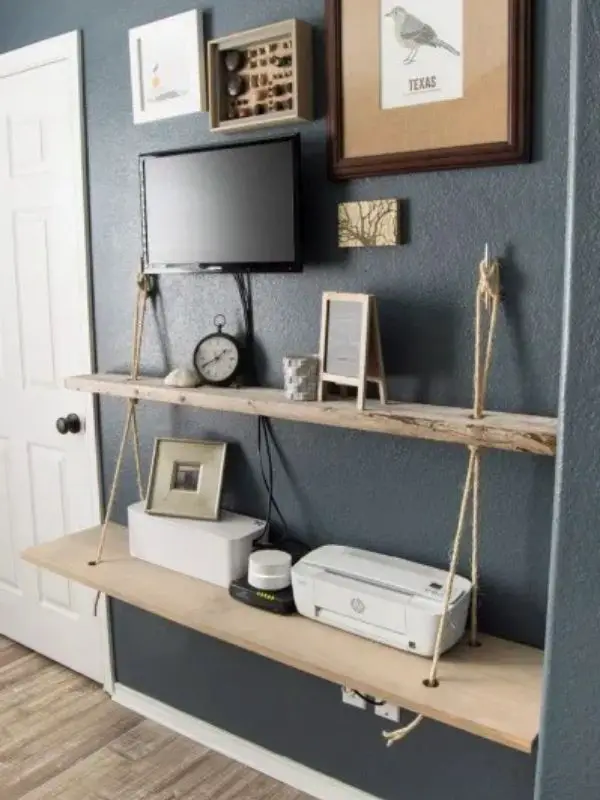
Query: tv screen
x,y
222,209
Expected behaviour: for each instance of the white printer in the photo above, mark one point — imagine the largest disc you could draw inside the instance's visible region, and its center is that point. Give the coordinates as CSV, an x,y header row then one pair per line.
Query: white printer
x,y
385,599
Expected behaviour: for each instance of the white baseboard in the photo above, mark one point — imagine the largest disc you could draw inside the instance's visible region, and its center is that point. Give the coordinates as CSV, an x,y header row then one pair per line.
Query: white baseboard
x,y
275,766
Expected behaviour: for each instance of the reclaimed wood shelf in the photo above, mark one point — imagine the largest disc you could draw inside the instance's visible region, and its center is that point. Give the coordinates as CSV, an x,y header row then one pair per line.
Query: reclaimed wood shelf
x,y
493,691
498,430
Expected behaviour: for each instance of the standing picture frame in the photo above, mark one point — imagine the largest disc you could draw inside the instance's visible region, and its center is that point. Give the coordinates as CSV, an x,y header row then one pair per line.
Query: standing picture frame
x,y
443,84
168,68
350,351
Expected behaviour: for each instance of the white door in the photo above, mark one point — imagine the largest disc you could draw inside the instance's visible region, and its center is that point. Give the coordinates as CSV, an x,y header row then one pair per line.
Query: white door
x,y
48,481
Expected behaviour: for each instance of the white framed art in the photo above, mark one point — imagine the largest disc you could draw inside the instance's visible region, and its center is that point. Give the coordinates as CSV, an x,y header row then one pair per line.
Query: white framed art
x,y
168,68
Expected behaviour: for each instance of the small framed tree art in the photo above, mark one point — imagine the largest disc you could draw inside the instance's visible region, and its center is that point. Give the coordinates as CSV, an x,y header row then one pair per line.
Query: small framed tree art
x,y
442,84
370,223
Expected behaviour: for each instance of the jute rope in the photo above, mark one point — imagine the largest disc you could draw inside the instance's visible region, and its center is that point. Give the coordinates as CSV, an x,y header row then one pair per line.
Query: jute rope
x,y
488,297
131,423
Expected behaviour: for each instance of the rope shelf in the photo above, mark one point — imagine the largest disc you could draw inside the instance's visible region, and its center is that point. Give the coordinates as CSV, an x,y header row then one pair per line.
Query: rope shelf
x,y
488,297
487,303
145,288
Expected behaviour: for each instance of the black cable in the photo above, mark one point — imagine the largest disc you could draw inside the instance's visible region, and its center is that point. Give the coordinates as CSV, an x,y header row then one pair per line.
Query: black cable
x,y
264,432
268,481
267,432
245,293
368,699
250,303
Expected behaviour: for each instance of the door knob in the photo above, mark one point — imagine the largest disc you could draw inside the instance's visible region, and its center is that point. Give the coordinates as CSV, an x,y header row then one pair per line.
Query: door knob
x,y
69,424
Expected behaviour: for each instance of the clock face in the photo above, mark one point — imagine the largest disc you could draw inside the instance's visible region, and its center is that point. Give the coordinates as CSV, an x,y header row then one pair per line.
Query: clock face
x,y
217,359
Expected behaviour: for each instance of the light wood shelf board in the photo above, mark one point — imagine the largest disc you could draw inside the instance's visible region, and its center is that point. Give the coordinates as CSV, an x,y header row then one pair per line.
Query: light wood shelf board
x,y
493,692
497,430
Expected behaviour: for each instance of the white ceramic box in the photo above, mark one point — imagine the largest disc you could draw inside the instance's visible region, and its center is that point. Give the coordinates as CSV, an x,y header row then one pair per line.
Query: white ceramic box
x,y
216,552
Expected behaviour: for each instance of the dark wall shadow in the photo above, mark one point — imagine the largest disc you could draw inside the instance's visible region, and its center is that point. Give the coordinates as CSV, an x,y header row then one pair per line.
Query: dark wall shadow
x,y
319,208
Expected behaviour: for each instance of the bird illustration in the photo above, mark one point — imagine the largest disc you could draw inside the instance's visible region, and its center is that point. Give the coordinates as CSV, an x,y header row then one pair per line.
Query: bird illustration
x,y
412,34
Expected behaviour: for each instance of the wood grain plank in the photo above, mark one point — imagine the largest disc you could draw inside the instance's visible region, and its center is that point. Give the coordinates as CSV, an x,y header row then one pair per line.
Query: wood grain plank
x,y
63,738
166,767
40,759
22,738
493,691
10,652
243,786
83,780
156,774
498,430
29,678
142,741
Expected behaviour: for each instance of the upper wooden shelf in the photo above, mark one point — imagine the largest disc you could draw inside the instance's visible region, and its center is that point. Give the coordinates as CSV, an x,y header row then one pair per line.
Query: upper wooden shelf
x,y
493,691
517,432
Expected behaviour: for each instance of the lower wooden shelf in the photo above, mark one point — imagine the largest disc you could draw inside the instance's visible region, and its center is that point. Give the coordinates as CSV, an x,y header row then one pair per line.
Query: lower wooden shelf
x,y
493,691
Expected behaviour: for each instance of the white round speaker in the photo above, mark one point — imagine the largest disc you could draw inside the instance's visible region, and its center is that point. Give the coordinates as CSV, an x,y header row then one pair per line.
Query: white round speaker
x,y
270,570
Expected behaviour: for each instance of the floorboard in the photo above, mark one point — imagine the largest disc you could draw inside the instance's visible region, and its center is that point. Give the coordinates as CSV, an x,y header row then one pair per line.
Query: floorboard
x,y
64,739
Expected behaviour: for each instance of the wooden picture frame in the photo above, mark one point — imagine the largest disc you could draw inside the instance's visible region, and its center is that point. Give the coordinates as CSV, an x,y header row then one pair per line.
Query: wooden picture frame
x,y
264,85
367,140
186,479
350,352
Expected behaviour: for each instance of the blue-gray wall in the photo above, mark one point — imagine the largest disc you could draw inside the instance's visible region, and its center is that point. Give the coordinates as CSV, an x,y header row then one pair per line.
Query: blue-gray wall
x,y
569,761
399,497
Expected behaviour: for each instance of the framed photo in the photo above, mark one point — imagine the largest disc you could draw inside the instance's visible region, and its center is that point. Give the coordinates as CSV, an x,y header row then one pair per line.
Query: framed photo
x,y
427,84
186,479
168,68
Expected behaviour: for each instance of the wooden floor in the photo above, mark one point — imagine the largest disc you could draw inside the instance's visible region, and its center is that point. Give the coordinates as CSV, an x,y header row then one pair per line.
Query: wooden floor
x,y
61,737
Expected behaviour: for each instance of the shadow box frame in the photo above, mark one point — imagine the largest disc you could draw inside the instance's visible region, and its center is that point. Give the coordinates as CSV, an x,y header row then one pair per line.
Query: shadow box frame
x,y
516,149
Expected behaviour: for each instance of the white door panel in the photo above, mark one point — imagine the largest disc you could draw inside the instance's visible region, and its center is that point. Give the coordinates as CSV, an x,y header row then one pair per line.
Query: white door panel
x,y
8,547
48,482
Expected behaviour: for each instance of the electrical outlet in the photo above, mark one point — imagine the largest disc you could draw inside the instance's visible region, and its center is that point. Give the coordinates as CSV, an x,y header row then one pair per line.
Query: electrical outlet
x,y
388,711
350,698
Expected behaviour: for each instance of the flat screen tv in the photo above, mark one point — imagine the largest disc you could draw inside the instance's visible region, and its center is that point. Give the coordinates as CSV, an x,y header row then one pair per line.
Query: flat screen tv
x,y
222,209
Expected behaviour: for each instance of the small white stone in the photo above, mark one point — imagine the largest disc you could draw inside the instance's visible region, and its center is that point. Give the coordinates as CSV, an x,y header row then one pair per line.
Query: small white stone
x,y
182,378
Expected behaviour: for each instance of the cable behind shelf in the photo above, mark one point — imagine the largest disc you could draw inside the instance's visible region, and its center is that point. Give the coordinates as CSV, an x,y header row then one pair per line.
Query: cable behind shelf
x,y
265,437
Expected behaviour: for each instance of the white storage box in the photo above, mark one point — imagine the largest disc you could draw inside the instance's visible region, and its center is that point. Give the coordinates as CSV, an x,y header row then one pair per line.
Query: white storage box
x,y
216,552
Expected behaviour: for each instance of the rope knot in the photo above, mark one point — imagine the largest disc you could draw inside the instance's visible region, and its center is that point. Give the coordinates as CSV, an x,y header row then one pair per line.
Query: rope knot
x,y
489,282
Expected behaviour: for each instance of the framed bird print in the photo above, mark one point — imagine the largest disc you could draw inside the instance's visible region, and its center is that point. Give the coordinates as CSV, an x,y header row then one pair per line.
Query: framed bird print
x,y
427,84
168,68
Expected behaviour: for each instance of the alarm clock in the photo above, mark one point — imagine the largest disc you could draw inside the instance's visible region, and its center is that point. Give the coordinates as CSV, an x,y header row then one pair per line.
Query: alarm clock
x,y
218,357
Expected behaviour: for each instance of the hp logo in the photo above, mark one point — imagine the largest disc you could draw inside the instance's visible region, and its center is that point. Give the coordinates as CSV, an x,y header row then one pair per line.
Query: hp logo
x,y
358,606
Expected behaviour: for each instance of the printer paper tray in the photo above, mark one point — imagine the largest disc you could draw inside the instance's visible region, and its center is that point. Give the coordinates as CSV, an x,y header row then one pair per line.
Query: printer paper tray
x,y
367,630
367,605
